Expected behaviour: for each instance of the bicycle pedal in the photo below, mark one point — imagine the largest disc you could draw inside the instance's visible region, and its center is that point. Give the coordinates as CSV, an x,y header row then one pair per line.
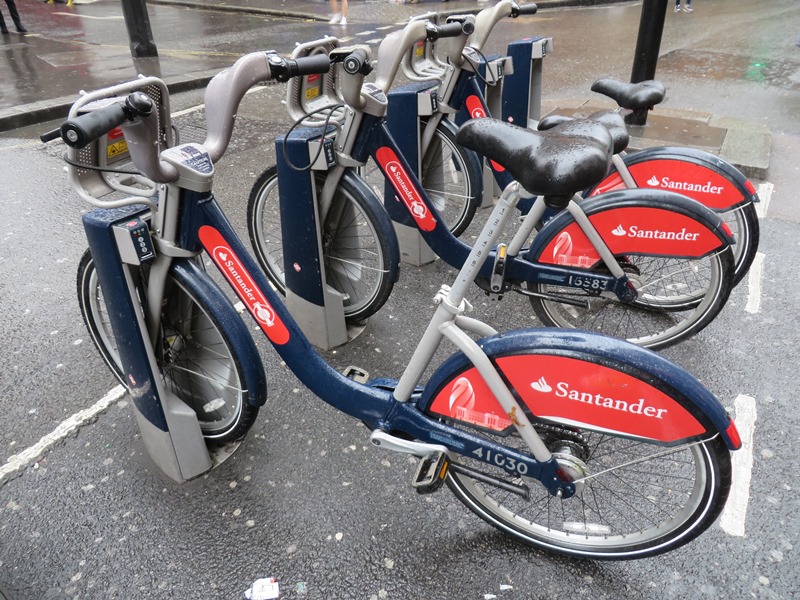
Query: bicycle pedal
x,y
431,473
356,374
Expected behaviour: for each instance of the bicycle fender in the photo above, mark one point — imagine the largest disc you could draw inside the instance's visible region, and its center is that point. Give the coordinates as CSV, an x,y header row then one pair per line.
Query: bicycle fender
x,y
581,379
633,221
697,174
225,315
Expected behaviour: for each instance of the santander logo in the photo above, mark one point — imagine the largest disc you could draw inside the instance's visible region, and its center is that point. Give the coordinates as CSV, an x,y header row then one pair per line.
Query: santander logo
x,y
684,186
635,231
406,190
541,386
636,407
475,107
243,284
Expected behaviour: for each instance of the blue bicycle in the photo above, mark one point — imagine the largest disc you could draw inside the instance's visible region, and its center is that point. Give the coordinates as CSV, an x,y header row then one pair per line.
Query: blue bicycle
x,y
569,441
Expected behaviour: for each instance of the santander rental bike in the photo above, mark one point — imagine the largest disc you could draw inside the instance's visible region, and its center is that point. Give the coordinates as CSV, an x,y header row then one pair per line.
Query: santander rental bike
x,y
650,266
550,436
454,69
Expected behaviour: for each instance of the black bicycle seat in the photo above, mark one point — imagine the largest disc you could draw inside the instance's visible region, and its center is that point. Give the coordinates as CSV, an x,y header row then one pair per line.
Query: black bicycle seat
x,y
559,162
610,120
633,96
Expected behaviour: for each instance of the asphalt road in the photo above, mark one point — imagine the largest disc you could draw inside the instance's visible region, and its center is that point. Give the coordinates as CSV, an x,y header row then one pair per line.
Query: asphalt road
x,y
305,498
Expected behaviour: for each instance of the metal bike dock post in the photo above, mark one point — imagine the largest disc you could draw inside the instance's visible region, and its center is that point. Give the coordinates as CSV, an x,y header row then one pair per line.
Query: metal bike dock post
x,y
316,306
406,105
522,88
119,241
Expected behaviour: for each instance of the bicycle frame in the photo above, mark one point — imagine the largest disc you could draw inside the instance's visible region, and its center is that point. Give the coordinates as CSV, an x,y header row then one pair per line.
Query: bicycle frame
x,y
186,220
388,408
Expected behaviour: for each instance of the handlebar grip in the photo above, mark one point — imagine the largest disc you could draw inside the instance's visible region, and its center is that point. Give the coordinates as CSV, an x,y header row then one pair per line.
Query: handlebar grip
x,y
356,61
453,29
315,64
86,128
524,9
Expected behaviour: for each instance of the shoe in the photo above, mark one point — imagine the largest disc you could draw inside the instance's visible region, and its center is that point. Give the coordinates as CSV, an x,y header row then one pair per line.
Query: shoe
x,y
343,21
3,30
687,8
335,18
677,8
21,29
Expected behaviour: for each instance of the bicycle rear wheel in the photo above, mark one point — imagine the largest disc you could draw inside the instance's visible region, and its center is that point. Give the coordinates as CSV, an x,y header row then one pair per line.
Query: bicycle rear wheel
x,y
196,358
359,249
637,499
677,298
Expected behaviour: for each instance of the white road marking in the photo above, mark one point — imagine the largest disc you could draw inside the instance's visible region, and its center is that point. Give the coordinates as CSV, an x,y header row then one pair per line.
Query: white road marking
x,y
754,277
66,14
734,515
765,195
21,460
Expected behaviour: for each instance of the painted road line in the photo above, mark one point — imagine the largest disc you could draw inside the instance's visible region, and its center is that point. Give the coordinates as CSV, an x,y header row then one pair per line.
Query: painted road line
x,y
765,195
735,513
754,277
24,458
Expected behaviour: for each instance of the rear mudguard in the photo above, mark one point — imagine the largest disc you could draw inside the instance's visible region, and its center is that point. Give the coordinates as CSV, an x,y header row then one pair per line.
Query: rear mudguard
x,y
635,221
700,175
580,379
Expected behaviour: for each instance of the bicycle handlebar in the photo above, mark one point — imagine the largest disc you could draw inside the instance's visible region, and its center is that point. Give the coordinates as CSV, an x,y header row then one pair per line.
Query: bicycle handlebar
x,y
451,29
316,64
488,18
395,45
86,128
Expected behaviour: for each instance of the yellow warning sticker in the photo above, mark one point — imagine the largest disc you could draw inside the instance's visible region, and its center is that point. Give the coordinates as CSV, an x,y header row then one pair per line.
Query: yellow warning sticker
x,y
117,148
312,92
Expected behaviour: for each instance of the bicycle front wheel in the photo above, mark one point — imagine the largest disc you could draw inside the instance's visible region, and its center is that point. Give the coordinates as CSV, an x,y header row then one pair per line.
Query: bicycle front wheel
x,y
635,500
196,358
677,298
359,249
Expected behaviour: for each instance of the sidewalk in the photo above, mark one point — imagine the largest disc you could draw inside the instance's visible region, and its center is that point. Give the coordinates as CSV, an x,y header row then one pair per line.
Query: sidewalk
x,y
66,52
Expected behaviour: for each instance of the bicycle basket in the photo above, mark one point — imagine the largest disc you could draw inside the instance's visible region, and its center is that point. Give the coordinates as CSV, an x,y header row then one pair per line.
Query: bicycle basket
x,y
102,171
310,93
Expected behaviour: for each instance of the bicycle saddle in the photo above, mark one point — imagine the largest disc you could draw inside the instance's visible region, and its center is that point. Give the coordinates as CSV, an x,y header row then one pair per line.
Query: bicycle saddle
x,y
610,120
633,96
558,162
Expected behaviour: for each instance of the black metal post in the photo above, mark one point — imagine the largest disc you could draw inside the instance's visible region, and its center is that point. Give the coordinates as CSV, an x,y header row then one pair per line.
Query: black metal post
x,y
139,31
651,26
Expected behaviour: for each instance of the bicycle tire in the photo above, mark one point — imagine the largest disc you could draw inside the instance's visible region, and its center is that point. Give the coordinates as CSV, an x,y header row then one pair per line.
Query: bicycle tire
x,y
451,178
644,506
743,222
196,359
364,271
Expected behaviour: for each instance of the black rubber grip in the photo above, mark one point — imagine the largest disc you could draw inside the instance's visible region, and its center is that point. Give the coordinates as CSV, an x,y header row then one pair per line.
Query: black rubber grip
x,y
310,65
355,61
447,30
50,135
467,23
82,130
526,9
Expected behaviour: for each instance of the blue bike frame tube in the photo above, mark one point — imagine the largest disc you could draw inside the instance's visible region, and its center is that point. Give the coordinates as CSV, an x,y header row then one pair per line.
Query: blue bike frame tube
x,y
204,225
